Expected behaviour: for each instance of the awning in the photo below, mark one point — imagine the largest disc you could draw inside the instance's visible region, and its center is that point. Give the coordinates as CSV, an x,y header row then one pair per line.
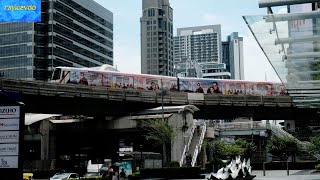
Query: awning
x,y
33,118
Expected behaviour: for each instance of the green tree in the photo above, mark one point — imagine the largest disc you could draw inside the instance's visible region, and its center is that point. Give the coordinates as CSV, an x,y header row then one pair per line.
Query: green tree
x,y
248,147
232,150
217,148
314,145
220,150
283,147
161,133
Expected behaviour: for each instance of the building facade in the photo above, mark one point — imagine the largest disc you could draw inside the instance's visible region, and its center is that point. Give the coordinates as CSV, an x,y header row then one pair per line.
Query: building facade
x,y
232,56
75,33
157,38
215,71
198,53
201,44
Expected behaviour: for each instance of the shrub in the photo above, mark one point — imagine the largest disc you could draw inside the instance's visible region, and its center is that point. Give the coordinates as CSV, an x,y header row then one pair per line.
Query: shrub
x,y
317,167
216,163
174,164
134,176
171,173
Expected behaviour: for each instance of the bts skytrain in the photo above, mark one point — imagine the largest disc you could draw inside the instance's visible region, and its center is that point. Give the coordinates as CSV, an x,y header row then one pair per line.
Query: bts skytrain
x,y
113,79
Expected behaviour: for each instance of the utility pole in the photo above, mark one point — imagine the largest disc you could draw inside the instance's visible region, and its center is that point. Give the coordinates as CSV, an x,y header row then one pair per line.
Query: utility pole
x,y
162,92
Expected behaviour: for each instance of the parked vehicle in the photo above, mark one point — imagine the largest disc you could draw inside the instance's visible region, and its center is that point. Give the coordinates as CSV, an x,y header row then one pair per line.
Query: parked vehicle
x,y
92,174
27,176
63,176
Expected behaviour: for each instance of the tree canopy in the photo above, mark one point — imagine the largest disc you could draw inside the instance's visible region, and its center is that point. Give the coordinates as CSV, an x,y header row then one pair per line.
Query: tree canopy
x,y
314,145
159,131
241,147
283,147
248,147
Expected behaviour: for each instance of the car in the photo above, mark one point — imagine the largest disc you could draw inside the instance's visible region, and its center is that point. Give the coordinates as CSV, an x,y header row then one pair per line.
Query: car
x,y
27,176
92,174
62,176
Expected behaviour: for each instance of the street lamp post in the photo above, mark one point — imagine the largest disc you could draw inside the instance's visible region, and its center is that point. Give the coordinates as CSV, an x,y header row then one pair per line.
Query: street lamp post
x,y
141,156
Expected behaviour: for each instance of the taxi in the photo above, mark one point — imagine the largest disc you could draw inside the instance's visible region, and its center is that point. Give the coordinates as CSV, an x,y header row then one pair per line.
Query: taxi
x,y
27,176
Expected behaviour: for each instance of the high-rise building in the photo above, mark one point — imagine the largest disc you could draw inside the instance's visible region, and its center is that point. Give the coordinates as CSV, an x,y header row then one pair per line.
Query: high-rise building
x,y
232,56
198,49
156,38
71,33
201,44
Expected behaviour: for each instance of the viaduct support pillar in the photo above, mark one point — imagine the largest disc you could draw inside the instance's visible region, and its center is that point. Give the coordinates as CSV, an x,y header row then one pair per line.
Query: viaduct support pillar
x,y
44,131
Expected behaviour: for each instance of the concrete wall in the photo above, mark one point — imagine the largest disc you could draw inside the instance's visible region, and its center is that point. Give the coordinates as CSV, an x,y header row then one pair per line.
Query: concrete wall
x,y
181,138
121,123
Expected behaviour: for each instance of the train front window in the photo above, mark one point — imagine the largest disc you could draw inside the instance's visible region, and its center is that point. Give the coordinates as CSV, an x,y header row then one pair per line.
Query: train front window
x,y
56,74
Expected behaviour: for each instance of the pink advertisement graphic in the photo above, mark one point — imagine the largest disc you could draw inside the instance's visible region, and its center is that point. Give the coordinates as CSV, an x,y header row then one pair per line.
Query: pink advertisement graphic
x,y
155,83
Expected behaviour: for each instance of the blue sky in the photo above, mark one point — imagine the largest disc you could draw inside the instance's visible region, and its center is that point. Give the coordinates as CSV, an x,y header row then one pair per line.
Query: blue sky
x,y
228,13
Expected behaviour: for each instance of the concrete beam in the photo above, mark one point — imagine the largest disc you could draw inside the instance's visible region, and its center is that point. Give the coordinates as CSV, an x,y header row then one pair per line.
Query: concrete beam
x,y
272,3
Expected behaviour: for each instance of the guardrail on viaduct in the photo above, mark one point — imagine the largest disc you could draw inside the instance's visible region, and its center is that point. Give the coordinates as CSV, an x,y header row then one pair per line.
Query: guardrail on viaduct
x,y
41,88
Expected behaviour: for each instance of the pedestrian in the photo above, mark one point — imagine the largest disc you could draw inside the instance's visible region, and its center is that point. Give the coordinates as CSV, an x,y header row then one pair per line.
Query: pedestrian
x,y
123,175
110,173
198,130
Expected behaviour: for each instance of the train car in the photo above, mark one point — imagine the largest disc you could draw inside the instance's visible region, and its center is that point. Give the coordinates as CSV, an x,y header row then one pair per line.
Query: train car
x,y
114,79
226,86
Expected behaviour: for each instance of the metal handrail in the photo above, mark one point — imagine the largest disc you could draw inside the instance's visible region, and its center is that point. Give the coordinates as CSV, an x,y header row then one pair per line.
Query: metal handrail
x,y
199,145
187,146
239,125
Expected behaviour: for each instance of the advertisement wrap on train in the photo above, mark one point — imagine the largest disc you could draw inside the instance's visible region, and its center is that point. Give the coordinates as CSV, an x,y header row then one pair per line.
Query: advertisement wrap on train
x,y
113,79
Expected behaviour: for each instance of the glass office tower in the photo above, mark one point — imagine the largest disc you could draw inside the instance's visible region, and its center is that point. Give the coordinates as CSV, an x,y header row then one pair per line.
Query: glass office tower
x,y
75,33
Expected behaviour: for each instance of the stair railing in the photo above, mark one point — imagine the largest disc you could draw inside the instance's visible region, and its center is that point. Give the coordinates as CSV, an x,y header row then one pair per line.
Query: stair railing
x,y
199,145
187,146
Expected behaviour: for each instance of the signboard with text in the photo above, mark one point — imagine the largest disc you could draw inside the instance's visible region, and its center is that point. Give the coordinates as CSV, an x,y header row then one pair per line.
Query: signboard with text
x,y
20,10
11,137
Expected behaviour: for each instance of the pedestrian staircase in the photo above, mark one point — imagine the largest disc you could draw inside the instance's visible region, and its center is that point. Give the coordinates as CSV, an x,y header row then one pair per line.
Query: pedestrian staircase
x,y
187,146
282,133
194,144
198,140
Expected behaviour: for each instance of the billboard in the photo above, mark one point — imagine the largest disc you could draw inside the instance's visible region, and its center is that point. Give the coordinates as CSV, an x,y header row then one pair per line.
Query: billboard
x,y
20,10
